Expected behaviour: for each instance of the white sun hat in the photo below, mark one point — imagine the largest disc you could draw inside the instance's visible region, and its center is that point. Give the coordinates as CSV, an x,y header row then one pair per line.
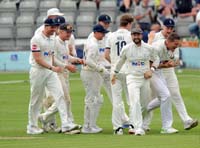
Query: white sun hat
x,y
54,11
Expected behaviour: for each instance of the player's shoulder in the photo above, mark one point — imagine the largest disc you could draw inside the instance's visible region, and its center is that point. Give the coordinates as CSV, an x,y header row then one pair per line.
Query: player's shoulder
x,y
159,45
146,45
159,42
110,34
36,37
128,46
90,35
91,42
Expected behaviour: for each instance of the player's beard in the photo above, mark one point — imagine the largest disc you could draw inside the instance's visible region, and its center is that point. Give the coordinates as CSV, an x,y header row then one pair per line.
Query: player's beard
x,y
137,41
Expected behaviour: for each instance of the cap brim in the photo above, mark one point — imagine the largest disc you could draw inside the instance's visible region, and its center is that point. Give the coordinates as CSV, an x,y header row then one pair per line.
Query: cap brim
x,y
51,24
106,31
107,21
68,30
57,13
169,25
136,32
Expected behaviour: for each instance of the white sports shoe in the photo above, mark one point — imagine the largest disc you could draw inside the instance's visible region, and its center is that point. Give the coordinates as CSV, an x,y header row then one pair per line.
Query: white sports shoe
x,y
190,124
44,124
91,130
170,130
69,127
131,129
146,128
33,130
55,128
72,132
119,131
97,128
139,132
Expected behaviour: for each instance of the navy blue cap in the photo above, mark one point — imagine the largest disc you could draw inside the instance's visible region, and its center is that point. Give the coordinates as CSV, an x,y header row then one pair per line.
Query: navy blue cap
x,y
169,22
99,28
60,19
51,22
66,27
105,18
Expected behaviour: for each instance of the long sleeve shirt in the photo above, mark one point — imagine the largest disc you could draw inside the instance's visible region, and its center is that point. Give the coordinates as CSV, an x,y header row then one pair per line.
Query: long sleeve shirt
x,y
137,59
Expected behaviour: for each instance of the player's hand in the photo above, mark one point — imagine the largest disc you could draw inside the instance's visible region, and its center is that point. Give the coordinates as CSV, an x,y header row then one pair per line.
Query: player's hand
x,y
71,68
148,74
81,61
171,63
149,12
57,69
113,79
151,36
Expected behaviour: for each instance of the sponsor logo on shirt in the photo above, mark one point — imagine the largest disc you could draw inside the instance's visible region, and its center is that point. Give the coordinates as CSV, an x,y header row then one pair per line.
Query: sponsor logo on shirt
x,y
101,49
138,63
48,53
65,57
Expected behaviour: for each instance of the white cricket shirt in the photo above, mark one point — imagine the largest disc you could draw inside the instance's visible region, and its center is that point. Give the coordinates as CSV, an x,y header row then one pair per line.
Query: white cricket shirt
x,y
115,42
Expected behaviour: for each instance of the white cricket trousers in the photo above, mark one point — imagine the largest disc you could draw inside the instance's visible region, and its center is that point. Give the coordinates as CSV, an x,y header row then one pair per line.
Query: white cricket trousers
x,y
159,84
177,100
48,114
119,116
139,96
39,79
107,85
92,82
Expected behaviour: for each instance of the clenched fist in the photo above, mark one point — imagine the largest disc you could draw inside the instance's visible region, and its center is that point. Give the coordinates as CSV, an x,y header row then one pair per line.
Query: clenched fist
x,y
148,74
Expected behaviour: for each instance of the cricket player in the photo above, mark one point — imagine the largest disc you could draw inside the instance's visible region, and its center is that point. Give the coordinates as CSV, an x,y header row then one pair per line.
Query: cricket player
x,y
138,56
114,44
92,81
53,13
47,103
105,21
165,50
44,74
62,57
171,79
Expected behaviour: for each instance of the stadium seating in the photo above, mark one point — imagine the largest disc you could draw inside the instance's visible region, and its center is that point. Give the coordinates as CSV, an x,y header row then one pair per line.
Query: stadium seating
x,y
28,7
69,18
17,24
8,6
69,9
24,31
47,4
40,20
88,8
182,25
84,25
108,6
7,41
67,6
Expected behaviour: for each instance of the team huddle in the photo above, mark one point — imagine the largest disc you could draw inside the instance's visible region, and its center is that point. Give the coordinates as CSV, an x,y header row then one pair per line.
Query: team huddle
x,y
118,61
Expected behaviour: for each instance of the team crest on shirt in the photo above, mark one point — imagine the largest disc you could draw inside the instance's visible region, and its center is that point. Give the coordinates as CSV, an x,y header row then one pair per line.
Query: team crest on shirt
x,y
138,63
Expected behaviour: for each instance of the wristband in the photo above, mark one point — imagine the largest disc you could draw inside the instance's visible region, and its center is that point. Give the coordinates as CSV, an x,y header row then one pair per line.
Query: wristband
x,y
153,69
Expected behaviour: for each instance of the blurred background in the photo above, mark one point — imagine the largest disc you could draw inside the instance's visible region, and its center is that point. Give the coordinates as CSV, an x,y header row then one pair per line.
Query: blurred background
x,y
20,18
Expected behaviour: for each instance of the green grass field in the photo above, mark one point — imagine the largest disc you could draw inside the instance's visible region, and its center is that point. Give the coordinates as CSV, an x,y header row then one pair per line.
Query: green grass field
x,y
14,99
